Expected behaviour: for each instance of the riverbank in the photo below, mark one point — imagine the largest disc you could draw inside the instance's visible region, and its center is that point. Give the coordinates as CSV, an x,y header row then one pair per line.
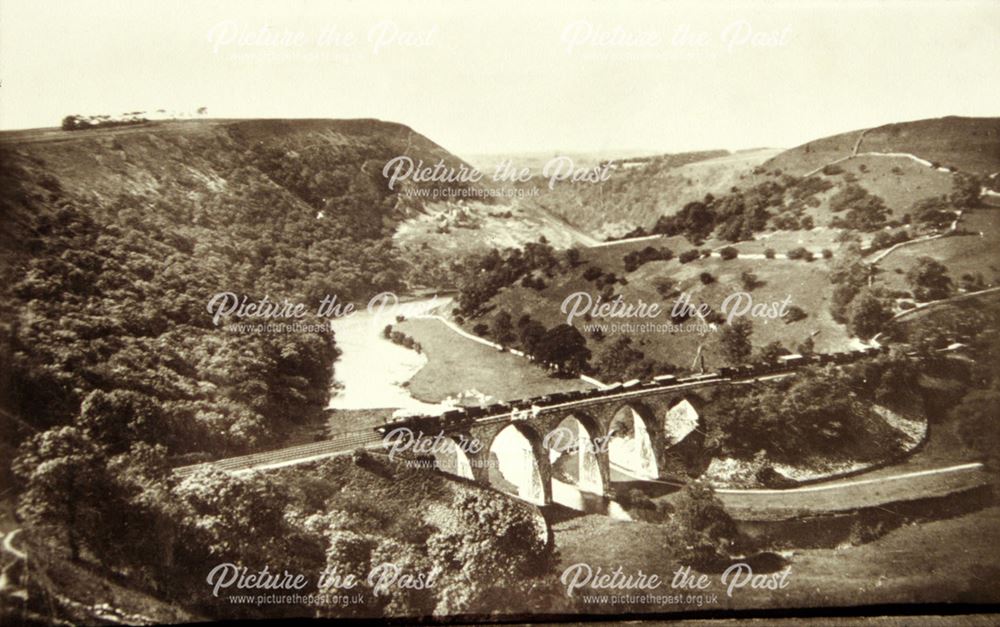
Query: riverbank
x,y
460,369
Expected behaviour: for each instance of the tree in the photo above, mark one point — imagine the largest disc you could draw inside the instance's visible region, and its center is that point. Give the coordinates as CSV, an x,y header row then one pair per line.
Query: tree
x,y
226,518
735,341
503,328
532,332
868,315
749,280
688,255
665,286
840,301
695,220
573,257
565,348
929,279
65,483
620,361
490,553
972,282
119,418
865,211
807,347
729,253
800,253
794,314
705,532
72,123
965,190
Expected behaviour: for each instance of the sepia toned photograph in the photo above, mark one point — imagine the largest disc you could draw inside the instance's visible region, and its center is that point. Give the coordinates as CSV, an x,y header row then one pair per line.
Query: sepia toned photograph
x,y
464,312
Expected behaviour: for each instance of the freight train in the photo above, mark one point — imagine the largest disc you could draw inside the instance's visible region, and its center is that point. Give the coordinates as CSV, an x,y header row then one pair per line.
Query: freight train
x,y
459,417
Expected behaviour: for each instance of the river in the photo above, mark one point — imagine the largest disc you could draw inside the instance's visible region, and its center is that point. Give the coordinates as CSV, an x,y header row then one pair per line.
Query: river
x,y
372,372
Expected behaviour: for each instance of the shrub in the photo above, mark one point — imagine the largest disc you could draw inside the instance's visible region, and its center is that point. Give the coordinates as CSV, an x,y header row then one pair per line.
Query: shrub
x,y
728,253
794,314
827,253
799,253
706,278
864,532
706,534
480,329
637,258
688,255
749,280
832,169
769,253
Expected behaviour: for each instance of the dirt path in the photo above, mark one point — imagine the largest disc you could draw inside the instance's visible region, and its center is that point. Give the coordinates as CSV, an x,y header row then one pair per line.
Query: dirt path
x,y
7,546
934,303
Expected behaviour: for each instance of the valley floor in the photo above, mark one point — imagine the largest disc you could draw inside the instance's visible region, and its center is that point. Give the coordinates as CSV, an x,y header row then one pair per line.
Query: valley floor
x,y
459,367
950,560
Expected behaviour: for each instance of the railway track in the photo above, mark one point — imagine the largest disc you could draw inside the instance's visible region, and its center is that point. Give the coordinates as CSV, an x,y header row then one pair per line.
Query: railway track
x,y
346,442
343,443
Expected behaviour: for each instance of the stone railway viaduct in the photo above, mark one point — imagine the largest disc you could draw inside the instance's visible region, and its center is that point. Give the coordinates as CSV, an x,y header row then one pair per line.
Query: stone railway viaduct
x,y
639,432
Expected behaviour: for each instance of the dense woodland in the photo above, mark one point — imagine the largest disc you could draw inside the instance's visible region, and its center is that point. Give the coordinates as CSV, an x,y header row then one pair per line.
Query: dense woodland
x,y
111,292
113,368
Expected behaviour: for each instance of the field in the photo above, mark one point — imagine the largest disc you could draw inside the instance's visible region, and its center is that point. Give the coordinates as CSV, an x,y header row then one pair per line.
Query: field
x,y
778,279
899,181
459,366
921,563
977,252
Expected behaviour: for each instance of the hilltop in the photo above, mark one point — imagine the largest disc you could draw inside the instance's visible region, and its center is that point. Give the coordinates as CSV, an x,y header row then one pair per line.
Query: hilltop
x,y
964,144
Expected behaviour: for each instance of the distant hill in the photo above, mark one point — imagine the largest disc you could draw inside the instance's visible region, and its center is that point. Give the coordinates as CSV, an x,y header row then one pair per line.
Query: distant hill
x,y
877,190
199,174
641,189
966,144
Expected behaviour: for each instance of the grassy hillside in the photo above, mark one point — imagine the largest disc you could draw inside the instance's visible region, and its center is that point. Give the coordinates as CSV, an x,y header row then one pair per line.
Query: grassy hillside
x,y
976,251
456,229
777,279
116,239
968,144
641,190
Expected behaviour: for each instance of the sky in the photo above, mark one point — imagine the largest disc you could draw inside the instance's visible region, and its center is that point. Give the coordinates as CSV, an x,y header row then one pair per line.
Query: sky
x,y
515,75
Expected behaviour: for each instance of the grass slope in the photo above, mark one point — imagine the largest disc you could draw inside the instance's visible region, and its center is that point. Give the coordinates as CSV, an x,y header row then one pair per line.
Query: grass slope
x,y
779,278
969,144
459,366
